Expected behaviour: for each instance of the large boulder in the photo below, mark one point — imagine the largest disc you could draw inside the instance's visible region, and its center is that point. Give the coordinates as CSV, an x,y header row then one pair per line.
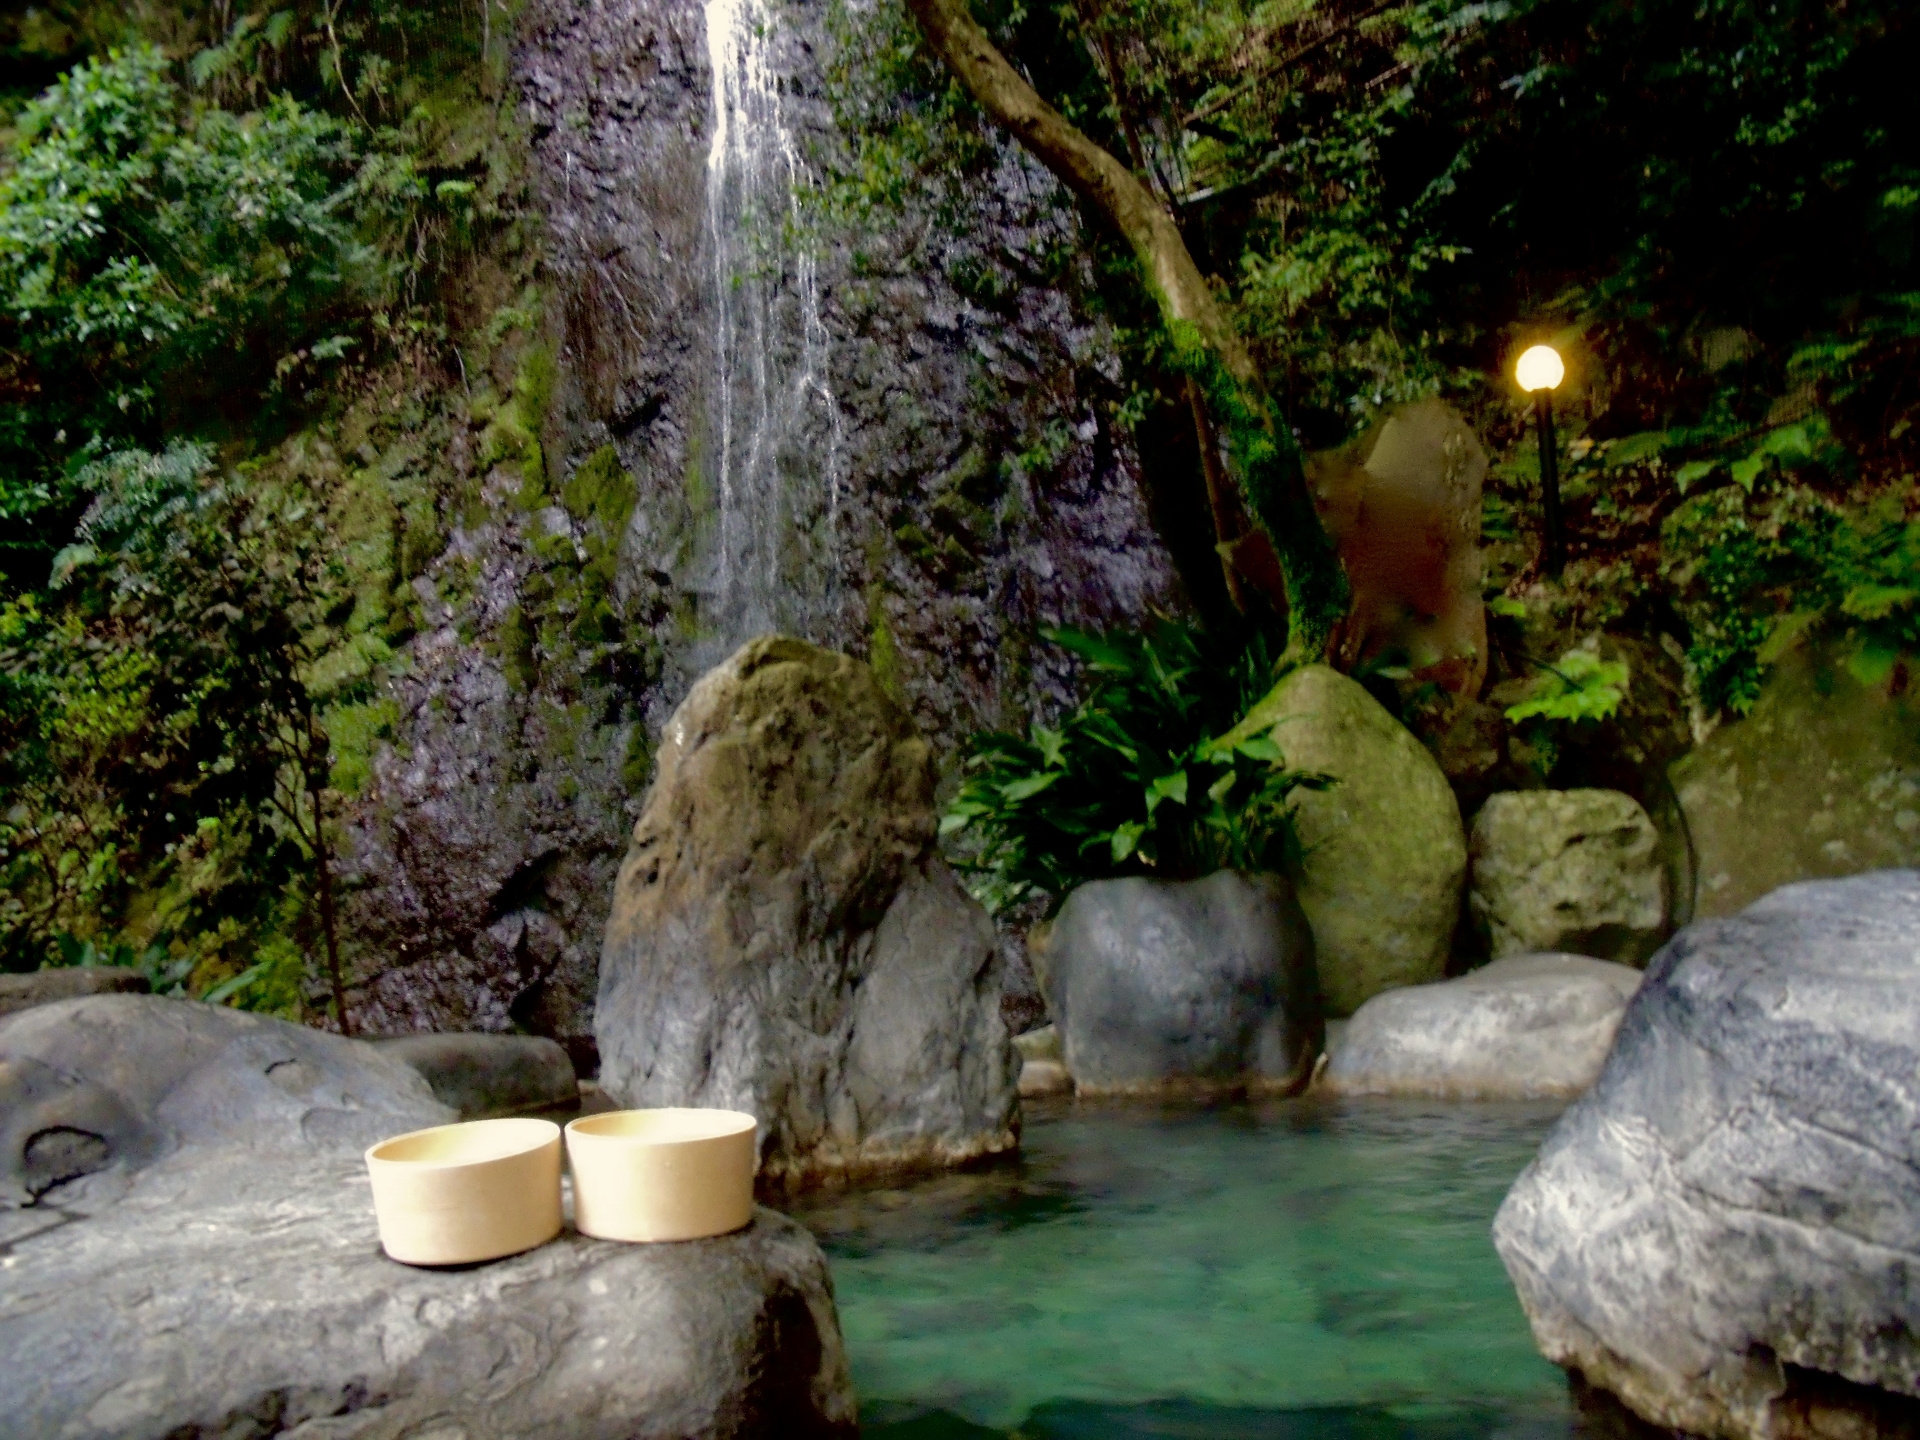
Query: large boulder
x,y
1822,779
1725,1230
1524,1028
231,1282
96,1089
1580,871
1385,850
1158,984
785,941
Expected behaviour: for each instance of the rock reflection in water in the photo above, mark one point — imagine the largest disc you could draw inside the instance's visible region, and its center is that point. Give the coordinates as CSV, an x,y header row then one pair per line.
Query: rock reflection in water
x,y
1290,1269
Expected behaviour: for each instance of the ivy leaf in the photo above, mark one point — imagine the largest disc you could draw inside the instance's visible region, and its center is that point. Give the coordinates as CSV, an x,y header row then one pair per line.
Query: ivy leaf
x,y
1876,602
1788,629
1126,838
1746,471
1872,662
1789,442
1260,747
1050,744
1171,786
1691,471
1029,786
1632,449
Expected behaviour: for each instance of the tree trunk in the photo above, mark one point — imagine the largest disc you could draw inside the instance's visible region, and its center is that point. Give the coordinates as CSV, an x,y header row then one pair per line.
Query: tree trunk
x,y
1205,342
329,923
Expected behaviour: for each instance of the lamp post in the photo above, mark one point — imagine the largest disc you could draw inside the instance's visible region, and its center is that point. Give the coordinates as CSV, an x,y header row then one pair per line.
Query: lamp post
x,y
1538,372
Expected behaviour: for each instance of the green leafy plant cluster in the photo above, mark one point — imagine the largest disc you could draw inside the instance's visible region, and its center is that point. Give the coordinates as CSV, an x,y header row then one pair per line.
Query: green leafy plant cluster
x,y
187,242
221,233
1578,686
161,729
1131,782
1755,572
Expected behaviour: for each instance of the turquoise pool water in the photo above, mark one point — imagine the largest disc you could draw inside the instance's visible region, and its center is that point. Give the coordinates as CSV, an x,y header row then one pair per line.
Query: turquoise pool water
x,y
1294,1269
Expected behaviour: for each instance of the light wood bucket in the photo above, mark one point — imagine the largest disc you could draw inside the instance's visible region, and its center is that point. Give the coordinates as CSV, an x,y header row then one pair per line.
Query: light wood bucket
x,y
456,1194
662,1174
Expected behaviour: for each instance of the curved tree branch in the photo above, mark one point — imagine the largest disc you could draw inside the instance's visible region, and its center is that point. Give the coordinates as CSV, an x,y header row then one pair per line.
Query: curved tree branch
x,y
1206,345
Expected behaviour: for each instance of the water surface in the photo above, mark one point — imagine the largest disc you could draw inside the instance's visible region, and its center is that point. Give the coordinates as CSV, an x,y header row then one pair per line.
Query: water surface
x,y
1292,1269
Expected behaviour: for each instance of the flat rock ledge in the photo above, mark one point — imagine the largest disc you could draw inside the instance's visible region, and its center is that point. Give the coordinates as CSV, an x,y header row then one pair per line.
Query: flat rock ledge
x,y
205,1262
1530,1027
1725,1231
180,1313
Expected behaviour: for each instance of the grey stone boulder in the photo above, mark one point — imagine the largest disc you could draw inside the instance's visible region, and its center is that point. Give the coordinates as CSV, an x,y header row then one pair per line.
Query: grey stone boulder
x,y
1820,780
1158,984
1725,1230
1527,1027
230,1281
95,1089
1578,871
482,1074
1386,853
236,1297
785,941
43,987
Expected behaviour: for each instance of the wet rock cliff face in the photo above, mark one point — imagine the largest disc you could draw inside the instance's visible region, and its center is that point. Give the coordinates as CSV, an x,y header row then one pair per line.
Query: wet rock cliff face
x,y
891,437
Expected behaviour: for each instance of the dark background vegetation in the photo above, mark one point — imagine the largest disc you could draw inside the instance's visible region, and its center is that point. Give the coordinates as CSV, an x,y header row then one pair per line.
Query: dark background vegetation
x,y
237,243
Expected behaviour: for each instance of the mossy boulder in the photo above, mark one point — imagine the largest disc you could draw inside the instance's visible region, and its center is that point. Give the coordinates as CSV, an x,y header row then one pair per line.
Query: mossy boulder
x,y
1576,871
785,941
1386,852
1821,780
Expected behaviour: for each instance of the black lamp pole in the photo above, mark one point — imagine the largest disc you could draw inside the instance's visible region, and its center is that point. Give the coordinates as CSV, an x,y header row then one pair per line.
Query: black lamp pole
x,y
1556,552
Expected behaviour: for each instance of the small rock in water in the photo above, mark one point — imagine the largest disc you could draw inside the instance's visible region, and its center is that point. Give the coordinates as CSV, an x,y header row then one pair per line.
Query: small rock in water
x,y
1578,871
1527,1027
1724,1231
481,1074
43,987
1041,1078
1164,984
1041,1044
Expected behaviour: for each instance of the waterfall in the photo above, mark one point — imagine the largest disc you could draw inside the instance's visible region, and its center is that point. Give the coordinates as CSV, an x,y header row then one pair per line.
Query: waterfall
x,y
774,422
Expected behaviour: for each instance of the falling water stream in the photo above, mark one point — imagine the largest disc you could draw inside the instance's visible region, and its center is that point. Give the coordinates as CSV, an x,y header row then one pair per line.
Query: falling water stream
x,y
775,423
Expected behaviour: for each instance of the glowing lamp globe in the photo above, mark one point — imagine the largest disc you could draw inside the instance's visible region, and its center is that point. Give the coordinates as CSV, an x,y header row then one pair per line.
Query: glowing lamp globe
x,y
1540,368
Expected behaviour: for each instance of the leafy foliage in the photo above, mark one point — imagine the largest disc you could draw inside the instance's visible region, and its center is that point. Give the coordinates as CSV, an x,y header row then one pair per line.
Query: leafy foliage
x,y
214,225
1579,686
1131,782
160,730
1754,572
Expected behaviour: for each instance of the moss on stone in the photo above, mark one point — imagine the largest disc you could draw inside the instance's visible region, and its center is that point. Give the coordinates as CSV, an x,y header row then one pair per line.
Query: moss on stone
x,y
517,656
357,732
883,653
600,490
